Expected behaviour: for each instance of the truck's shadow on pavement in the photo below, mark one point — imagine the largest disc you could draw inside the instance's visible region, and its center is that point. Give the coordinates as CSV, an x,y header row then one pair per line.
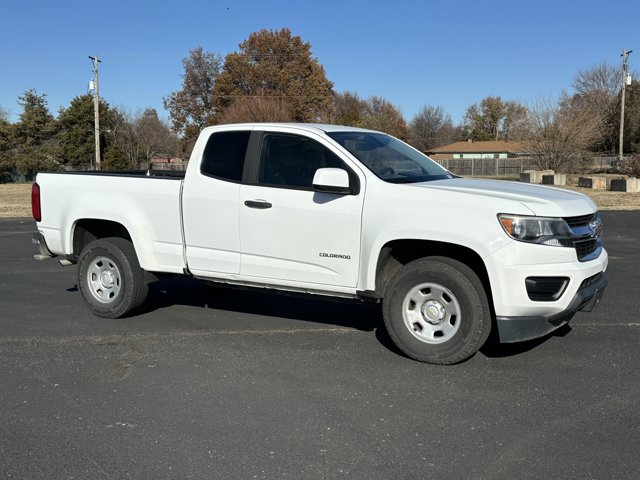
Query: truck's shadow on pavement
x,y
494,349
367,317
324,310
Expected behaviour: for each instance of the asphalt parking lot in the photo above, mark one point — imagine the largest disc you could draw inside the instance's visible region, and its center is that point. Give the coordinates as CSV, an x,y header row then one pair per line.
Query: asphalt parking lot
x,y
221,383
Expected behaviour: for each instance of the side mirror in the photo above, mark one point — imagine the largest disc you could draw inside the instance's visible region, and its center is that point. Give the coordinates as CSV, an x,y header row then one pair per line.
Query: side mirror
x,y
332,180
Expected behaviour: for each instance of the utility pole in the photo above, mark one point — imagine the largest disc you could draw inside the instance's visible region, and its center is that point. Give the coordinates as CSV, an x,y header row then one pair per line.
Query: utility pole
x,y
96,108
625,55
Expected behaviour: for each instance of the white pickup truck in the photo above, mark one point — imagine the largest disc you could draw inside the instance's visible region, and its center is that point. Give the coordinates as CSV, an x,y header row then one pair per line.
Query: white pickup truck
x,y
335,211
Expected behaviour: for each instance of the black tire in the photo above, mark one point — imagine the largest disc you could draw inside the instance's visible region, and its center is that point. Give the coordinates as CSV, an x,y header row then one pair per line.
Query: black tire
x,y
436,310
110,278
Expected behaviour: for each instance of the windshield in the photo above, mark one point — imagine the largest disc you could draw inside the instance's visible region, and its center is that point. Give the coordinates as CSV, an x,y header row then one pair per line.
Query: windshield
x,y
389,158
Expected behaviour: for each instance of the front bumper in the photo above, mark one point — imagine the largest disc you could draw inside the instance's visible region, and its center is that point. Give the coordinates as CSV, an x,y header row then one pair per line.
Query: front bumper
x,y
518,329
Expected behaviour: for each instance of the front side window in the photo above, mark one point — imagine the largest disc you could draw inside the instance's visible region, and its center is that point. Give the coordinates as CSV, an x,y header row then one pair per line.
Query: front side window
x,y
224,155
291,160
389,158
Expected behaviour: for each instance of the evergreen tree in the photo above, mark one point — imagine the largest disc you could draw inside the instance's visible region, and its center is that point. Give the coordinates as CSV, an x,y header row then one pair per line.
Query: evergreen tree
x,y
76,131
35,147
7,163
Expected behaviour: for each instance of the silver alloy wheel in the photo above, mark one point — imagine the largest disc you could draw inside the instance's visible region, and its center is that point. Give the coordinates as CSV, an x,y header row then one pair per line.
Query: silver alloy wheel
x,y
431,312
104,279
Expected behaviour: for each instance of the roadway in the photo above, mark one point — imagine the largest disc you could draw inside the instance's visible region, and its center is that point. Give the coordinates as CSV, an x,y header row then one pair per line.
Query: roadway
x,y
221,383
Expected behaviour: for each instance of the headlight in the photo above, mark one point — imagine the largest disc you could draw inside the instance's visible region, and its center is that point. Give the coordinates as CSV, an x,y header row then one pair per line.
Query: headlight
x,y
540,230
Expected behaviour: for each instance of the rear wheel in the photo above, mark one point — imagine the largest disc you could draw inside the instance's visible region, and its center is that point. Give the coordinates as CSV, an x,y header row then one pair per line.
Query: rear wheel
x,y
436,310
110,278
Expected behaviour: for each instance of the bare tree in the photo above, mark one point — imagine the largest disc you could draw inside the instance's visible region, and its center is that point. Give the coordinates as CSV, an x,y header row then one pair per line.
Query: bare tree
x,y
495,119
559,134
122,130
381,114
632,118
597,89
139,135
154,135
431,127
193,106
514,123
348,109
631,167
375,113
602,77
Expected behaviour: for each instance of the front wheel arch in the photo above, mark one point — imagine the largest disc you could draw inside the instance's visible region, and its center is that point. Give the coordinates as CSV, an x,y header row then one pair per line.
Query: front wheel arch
x,y
397,253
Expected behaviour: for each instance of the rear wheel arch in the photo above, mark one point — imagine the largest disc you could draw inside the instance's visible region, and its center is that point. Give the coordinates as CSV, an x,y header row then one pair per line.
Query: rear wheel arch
x,y
87,230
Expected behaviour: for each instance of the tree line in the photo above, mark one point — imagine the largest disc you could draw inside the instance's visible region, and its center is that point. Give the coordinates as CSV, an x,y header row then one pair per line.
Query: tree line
x,y
39,141
273,77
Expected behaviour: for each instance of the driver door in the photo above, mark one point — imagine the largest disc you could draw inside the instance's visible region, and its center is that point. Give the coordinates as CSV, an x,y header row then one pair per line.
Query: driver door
x,y
290,232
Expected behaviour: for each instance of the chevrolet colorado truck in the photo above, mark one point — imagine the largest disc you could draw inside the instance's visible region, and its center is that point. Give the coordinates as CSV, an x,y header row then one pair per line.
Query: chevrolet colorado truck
x,y
334,211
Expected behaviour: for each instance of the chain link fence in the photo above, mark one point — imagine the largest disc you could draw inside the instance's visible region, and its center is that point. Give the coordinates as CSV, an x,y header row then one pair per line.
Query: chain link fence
x,y
609,163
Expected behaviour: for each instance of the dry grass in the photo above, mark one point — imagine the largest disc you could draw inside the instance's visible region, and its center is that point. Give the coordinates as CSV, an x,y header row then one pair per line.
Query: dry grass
x,y
604,199
607,200
15,200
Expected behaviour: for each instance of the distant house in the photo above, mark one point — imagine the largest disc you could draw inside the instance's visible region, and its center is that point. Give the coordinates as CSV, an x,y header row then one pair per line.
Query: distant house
x,y
471,149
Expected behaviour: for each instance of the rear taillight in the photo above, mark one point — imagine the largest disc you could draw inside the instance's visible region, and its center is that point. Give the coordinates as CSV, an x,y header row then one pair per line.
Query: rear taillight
x,y
35,202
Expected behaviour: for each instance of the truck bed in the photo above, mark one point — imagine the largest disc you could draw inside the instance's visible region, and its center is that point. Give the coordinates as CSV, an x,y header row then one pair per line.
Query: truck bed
x,y
147,205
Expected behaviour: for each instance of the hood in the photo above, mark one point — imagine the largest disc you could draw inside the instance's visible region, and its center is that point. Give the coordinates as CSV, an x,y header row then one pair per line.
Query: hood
x,y
541,200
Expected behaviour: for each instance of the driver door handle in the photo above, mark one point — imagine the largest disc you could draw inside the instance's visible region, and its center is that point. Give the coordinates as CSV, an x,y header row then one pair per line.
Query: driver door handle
x,y
261,204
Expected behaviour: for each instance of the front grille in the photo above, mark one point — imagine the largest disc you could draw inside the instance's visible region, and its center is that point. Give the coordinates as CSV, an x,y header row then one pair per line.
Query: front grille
x,y
584,239
585,247
581,221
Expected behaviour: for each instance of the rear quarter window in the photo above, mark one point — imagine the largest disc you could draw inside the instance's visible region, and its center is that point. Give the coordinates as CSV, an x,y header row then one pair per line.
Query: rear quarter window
x,y
224,155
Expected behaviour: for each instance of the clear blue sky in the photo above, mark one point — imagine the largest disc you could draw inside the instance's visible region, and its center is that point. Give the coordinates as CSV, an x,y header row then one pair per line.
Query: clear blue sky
x,y
449,53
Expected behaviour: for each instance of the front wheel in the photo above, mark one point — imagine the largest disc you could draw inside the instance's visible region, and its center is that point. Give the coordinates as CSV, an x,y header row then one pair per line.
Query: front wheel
x,y
110,278
436,311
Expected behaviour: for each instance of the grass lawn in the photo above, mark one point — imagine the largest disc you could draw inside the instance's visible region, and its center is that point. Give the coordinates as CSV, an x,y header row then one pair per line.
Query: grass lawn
x,y
15,199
